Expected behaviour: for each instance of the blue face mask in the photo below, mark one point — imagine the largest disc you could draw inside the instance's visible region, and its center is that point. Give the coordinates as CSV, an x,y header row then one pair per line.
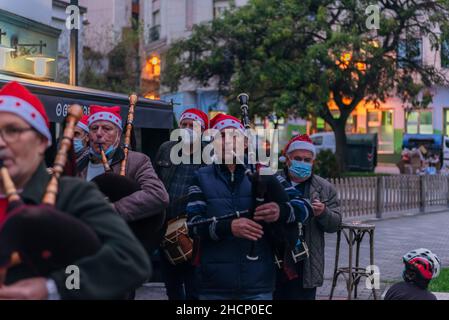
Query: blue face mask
x,y
300,169
77,145
109,152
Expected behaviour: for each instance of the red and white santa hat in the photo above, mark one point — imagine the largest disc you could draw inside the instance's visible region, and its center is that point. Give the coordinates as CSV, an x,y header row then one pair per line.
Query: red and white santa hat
x,y
83,123
299,142
100,113
222,121
196,115
16,99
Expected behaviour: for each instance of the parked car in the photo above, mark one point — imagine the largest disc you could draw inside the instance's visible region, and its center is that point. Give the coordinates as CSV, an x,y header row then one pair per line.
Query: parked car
x,y
323,141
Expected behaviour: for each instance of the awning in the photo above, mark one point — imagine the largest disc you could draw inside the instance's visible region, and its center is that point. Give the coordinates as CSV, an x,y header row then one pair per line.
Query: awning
x,y
56,98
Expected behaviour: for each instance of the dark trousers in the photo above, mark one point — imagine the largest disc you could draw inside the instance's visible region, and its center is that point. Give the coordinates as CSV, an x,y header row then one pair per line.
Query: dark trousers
x,y
292,289
180,281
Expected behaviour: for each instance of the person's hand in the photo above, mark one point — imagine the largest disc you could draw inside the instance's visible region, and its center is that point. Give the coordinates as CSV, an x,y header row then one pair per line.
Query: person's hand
x,y
246,229
268,212
318,207
29,289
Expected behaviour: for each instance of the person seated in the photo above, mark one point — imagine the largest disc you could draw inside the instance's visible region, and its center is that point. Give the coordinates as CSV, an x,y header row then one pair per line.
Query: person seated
x,y
421,266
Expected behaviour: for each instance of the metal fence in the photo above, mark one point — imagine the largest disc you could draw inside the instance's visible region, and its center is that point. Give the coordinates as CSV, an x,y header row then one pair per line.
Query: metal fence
x,y
383,195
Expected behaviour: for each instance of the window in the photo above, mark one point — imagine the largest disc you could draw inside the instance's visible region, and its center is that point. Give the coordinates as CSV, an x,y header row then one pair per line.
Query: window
x,y
446,121
412,122
317,141
425,122
410,49
351,124
156,26
381,122
157,18
220,6
320,124
419,122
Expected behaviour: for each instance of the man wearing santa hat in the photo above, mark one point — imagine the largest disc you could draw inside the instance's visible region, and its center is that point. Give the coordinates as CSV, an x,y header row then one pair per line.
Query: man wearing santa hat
x,y
105,131
224,269
299,155
81,139
24,137
180,281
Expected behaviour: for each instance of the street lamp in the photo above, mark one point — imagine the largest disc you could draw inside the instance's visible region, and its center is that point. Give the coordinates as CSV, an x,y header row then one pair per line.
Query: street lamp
x,y
40,61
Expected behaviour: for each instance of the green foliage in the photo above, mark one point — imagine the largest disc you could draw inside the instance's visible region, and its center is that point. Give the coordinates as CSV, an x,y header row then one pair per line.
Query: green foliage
x,y
121,75
326,165
440,284
286,54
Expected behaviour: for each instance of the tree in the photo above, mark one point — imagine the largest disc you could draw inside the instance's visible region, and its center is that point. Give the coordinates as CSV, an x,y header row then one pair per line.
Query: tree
x,y
300,57
124,66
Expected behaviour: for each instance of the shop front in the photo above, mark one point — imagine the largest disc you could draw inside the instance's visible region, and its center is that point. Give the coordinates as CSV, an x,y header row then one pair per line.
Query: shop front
x,y
153,119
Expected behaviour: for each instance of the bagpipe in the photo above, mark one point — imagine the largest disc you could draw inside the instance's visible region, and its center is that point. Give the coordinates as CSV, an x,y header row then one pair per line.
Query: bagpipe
x,y
287,239
40,238
148,230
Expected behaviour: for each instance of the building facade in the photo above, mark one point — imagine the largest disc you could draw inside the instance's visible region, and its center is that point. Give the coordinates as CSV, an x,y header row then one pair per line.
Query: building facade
x,y
392,119
170,21
35,40
165,21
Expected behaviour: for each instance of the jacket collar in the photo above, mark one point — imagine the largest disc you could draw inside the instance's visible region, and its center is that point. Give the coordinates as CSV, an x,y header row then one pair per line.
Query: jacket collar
x,y
224,173
35,188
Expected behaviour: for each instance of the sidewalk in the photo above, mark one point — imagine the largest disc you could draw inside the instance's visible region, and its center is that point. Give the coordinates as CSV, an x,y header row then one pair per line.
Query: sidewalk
x,y
388,168
392,239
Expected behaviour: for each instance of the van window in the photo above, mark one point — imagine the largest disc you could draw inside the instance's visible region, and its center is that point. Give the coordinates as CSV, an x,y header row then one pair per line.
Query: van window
x,y
318,141
447,143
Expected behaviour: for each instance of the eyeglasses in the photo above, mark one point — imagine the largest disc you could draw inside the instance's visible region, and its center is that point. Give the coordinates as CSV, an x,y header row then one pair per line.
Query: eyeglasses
x,y
12,134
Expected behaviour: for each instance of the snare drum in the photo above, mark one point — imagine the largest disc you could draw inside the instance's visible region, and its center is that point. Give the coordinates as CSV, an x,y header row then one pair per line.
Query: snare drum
x,y
177,244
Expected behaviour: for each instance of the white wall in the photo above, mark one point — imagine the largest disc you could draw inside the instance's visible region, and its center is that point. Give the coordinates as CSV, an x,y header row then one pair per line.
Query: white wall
x,y
440,101
103,29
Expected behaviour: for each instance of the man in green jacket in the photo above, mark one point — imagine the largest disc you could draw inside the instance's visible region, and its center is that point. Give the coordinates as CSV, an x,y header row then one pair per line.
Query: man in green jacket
x,y
121,264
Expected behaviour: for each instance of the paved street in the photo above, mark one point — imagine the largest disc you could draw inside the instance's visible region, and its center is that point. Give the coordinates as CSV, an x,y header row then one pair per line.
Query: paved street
x,y
393,238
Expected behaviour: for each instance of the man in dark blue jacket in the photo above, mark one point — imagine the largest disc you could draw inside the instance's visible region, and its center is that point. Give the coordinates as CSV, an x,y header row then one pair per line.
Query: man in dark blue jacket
x,y
218,189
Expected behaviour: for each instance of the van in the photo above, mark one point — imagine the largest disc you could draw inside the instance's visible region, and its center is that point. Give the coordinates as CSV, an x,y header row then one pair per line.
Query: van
x,y
324,141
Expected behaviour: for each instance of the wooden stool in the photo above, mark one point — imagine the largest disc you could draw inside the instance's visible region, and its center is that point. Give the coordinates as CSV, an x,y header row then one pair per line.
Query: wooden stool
x,y
354,233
